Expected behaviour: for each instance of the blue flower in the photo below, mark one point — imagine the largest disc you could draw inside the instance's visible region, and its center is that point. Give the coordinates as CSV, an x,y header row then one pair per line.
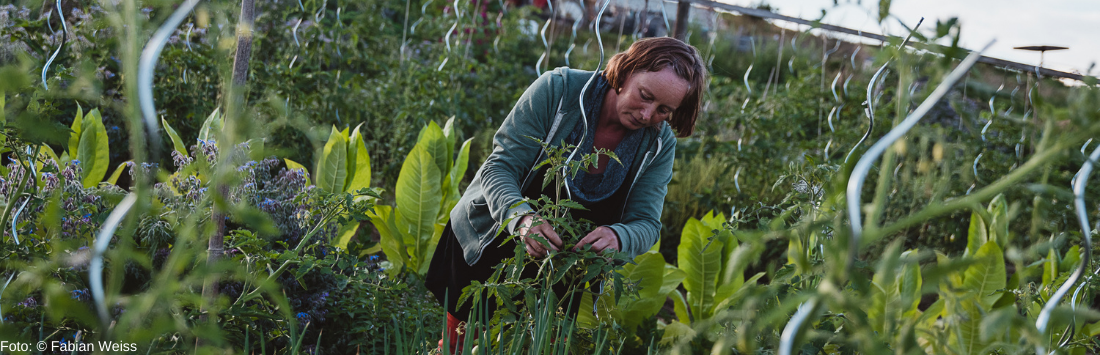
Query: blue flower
x,y
373,257
75,162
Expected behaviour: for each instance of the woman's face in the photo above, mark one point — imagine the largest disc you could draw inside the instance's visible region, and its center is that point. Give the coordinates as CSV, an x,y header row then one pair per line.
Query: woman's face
x,y
648,98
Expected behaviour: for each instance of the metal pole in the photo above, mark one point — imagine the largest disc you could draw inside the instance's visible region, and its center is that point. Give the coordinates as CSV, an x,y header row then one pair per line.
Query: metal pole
x,y
682,9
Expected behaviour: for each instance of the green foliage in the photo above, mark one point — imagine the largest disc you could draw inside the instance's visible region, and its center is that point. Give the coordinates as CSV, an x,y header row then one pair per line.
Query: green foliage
x,y
426,191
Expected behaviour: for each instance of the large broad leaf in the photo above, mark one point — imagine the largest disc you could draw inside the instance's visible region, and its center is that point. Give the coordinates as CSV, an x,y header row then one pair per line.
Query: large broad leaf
x,y
451,194
345,233
177,142
976,235
716,223
998,224
332,172
211,126
877,312
647,271
1071,259
292,165
701,260
433,141
93,151
78,124
424,255
884,289
358,162
1050,269
676,331
909,287
118,172
968,315
986,276
680,306
733,273
383,219
450,137
672,279
418,200
458,171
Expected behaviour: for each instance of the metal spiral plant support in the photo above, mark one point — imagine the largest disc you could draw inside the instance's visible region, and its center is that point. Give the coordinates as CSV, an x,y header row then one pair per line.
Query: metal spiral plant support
x,y
794,51
573,39
735,182
103,239
855,187
294,32
1082,217
412,29
542,34
592,78
853,57
668,29
64,38
830,52
148,63
869,111
447,37
187,39
1068,334
14,234
975,166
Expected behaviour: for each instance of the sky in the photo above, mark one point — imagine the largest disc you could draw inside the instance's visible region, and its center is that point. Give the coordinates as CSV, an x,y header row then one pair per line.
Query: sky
x,y
1013,23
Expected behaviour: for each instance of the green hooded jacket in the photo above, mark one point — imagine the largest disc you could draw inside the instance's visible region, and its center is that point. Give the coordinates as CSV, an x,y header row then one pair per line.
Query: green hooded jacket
x,y
548,110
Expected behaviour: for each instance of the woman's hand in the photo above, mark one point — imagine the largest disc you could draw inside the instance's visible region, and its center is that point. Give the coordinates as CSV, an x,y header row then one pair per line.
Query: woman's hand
x,y
602,238
534,247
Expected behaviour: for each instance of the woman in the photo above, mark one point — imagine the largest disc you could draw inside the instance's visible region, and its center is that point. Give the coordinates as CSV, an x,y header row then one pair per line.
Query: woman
x,y
632,109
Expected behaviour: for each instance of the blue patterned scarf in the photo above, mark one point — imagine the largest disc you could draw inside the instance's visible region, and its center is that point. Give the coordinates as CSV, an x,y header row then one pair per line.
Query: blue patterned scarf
x,y
589,188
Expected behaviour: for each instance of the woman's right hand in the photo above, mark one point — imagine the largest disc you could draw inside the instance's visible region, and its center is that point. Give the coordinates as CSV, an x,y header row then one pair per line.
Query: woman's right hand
x,y
534,247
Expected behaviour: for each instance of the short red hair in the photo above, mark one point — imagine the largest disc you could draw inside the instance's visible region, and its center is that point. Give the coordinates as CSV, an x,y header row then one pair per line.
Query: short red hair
x,y
654,54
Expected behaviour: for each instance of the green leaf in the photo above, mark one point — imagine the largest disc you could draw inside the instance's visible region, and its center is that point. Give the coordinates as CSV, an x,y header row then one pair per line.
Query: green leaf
x,y
424,257
462,162
346,232
648,271
118,172
359,172
256,149
997,324
211,126
672,279
977,235
291,165
418,202
332,173
1092,330
450,138
910,286
676,331
93,151
74,138
1070,261
986,276
998,226
434,142
969,317
680,306
1050,269
177,142
392,244
701,260
877,312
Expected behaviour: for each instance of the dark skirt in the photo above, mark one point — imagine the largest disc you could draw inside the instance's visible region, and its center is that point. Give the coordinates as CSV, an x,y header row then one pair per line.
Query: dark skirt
x,y
449,273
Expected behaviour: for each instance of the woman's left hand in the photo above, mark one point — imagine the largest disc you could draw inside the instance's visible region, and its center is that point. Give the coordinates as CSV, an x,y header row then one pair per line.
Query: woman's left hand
x,y
601,239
